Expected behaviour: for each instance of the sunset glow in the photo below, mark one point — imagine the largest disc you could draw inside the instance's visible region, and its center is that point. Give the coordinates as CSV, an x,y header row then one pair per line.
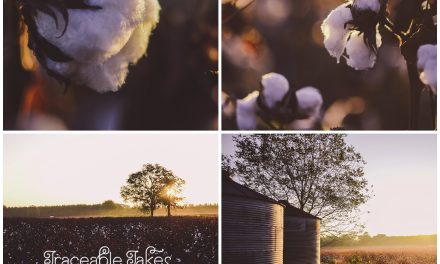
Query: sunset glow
x,y
89,169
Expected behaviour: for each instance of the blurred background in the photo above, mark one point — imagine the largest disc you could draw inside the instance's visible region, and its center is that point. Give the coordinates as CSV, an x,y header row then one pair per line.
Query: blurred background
x,y
284,36
173,88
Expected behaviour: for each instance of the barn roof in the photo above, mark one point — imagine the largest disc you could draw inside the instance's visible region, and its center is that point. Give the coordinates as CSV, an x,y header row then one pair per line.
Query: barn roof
x,y
232,188
291,210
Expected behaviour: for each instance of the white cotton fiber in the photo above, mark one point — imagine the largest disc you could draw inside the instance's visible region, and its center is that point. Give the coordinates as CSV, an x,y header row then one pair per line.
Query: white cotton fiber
x,y
228,106
104,42
335,34
309,101
275,87
373,5
427,64
359,55
247,112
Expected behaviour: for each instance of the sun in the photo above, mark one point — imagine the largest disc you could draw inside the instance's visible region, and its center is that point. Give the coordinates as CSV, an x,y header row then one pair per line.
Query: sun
x,y
171,192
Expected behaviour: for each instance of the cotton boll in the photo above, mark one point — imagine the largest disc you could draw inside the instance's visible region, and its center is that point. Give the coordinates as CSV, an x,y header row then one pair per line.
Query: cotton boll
x,y
427,64
335,33
275,87
111,74
309,101
429,75
104,77
103,42
247,112
91,35
360,56
426,53
98,34
373,5
228,106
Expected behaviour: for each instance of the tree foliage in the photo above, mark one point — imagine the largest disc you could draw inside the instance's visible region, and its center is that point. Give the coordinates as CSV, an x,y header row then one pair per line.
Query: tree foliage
x,y
170,195
149,188
319,174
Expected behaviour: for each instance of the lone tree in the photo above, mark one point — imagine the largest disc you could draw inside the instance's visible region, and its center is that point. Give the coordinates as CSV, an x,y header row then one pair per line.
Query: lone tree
x,y
319,174
170,196
151,187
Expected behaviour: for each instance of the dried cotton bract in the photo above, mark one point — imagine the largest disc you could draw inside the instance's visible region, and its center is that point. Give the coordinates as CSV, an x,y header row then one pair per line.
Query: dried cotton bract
x,y
102,43
427,64
342,35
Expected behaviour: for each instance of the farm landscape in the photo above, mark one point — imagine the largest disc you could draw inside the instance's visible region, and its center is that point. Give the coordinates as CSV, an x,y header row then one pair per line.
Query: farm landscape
x,y
153,212
274,187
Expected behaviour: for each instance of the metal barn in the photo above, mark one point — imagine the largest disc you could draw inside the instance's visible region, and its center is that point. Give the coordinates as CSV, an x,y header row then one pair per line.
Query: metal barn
x,y
252,226
301,236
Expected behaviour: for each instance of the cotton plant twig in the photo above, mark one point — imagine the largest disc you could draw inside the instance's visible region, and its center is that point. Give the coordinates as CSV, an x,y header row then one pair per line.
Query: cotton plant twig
x,y
389,25
409,42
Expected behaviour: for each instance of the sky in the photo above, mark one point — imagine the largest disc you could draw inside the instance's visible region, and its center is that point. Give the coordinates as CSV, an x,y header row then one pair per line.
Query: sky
x,y
402,169
89,169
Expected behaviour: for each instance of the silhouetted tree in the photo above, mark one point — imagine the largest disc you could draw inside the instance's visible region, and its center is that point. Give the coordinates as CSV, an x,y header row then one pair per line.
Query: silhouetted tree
x,y
319,174
109,204
170,196
147,188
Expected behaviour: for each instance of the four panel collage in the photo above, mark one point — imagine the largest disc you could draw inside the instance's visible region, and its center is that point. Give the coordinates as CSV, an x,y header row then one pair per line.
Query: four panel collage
x,y
208,131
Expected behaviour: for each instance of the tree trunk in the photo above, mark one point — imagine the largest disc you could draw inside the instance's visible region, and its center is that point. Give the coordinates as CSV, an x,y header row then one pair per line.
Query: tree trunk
x,y
169,209
152,212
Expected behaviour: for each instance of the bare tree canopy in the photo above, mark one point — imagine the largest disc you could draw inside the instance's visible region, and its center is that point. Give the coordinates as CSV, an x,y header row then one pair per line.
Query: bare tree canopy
x,y
151,187
319,174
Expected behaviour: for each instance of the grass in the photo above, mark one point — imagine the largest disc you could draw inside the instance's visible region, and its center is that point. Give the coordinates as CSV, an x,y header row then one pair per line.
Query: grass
x,y
380,255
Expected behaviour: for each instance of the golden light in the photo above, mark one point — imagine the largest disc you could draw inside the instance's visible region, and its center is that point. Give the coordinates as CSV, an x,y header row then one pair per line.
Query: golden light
x,y
171,192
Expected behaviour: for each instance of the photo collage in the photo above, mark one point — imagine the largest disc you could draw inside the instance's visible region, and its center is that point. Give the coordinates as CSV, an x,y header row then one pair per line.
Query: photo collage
x,y
219,131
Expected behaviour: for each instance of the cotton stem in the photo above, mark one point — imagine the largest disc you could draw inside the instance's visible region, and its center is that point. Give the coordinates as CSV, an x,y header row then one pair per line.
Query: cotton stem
x,y
416,87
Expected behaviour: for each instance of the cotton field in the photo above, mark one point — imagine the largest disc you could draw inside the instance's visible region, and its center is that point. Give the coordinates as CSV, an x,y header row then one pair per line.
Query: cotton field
x,y
184,239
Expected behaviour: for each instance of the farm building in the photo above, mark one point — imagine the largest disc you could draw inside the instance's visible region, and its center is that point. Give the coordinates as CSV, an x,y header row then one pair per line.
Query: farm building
x,y
301,236
257,229
252,226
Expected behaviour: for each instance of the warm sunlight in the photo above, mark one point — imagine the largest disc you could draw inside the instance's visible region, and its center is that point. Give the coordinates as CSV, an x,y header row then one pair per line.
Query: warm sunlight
x,y
171,192
90,169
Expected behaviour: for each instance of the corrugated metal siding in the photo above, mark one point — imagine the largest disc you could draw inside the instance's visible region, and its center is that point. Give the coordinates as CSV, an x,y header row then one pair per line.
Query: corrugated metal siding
x,y
301,240
252,231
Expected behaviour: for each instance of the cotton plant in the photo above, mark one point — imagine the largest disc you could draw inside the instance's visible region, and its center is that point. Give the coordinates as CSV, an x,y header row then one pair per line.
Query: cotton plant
x,y
353,31
89,42
275,106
